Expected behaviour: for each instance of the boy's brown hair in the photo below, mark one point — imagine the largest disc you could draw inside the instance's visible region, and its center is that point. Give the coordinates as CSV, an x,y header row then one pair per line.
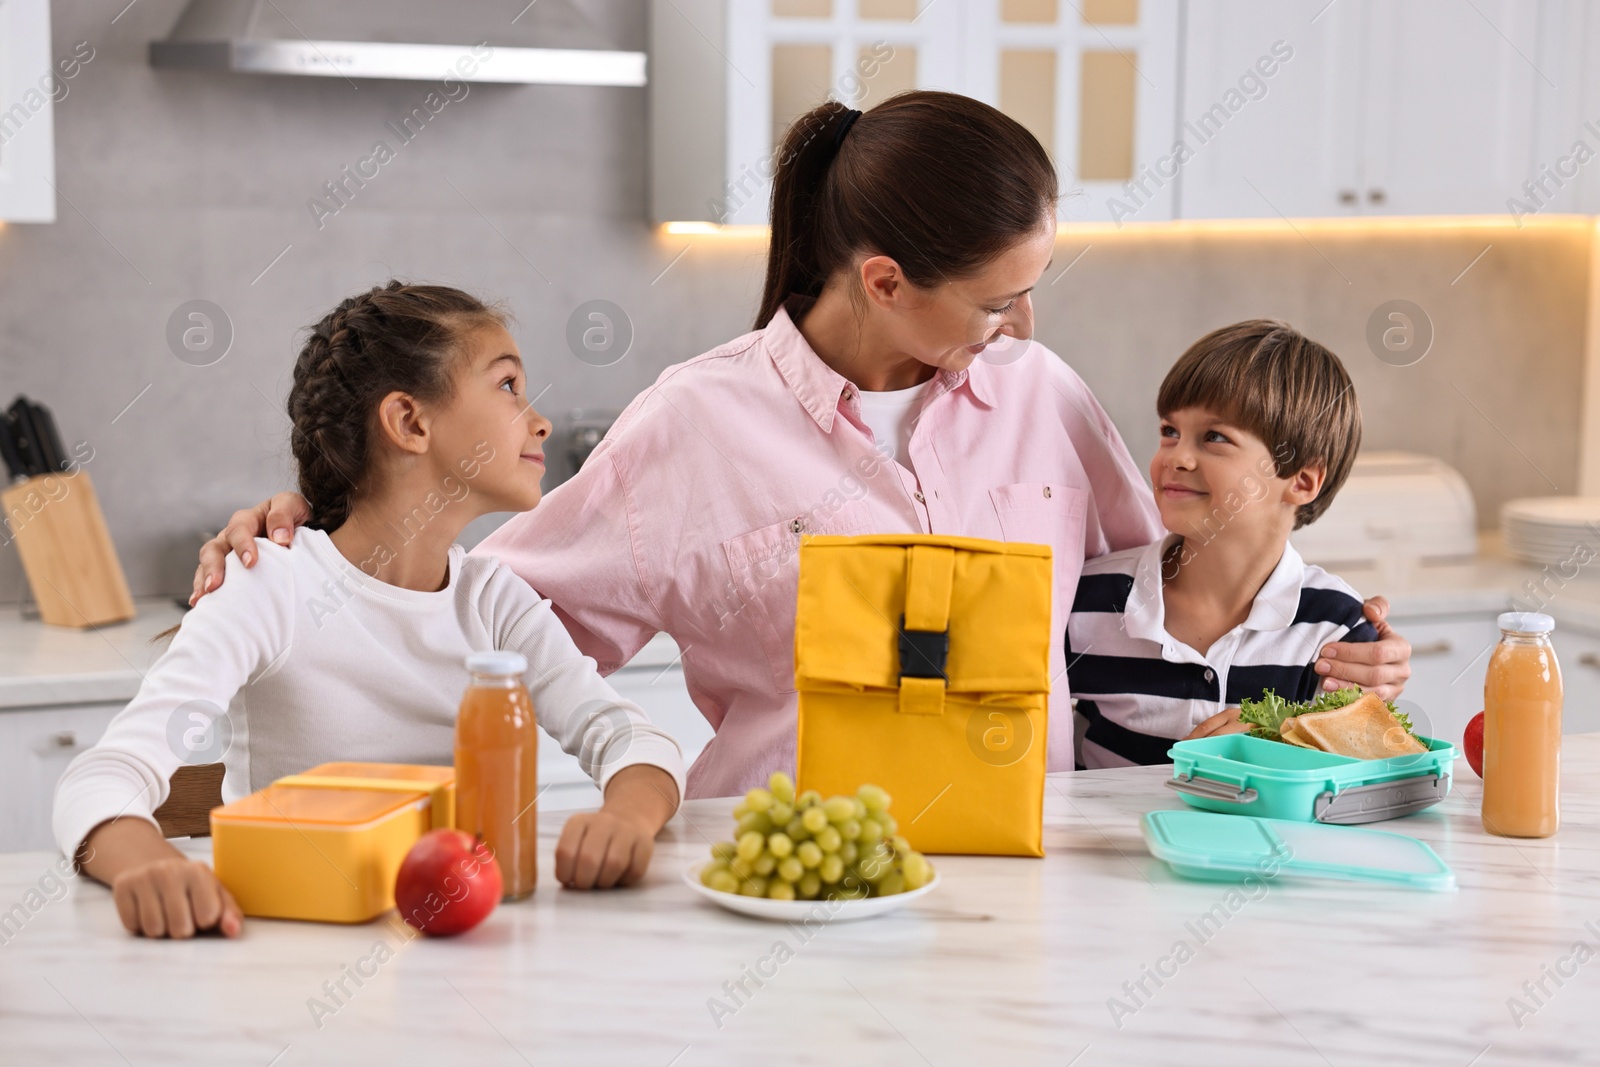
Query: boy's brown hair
x,y
1269,379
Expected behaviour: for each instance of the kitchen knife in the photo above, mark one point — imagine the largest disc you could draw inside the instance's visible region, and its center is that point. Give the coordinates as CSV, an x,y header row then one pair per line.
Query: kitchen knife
x,y
8,449
28,446
55,455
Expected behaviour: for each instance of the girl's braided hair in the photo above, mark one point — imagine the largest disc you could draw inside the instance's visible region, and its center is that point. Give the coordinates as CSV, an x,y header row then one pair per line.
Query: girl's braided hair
x,y
392,338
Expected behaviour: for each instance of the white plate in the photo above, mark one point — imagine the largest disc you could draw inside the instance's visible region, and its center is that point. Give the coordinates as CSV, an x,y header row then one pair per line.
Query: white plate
x,y
788,911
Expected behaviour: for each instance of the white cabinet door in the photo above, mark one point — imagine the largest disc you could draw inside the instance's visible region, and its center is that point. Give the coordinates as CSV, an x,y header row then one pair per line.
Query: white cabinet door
x,y
36,744
1270,114
1095,80
1579,656
1449,655
1385,107
664,696
1565,175
1449,105
27,130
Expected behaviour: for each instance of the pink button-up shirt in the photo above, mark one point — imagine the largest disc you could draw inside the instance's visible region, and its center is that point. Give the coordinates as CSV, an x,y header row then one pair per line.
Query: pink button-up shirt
x,y
687,518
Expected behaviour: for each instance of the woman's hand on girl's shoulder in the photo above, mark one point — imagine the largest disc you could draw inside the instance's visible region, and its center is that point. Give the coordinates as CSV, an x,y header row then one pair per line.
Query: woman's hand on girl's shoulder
x,y
275,518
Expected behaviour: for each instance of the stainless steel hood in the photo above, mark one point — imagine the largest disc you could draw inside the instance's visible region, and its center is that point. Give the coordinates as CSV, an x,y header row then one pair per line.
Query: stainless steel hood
x,y
558,42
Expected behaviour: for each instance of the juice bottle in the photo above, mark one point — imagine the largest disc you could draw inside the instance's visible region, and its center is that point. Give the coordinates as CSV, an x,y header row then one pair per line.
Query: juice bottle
x,y
497,767
1522,730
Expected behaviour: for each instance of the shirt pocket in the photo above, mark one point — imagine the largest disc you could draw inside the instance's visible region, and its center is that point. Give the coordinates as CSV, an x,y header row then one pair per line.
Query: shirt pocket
x,y
1044,513
764,566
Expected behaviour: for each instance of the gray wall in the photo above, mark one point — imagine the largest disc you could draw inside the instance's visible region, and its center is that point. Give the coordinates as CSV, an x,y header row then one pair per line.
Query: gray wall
x,y
186,185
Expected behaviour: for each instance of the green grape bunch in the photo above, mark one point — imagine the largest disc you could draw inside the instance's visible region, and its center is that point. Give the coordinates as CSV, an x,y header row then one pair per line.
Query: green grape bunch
x,y
789,847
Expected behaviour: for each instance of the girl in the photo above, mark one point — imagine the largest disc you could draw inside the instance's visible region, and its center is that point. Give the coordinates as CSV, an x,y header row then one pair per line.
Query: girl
x,y
409,422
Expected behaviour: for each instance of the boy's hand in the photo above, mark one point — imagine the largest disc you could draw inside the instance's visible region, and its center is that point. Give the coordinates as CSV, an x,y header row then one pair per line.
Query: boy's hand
x,y
613,846
1223,722
174,898
1379,667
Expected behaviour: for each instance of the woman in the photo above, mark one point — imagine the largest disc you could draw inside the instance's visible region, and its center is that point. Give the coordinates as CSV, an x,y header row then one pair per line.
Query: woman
x,y
887,387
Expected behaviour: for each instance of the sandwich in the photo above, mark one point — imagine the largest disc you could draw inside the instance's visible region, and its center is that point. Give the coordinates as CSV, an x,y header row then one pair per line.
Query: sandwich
x,y
1346,723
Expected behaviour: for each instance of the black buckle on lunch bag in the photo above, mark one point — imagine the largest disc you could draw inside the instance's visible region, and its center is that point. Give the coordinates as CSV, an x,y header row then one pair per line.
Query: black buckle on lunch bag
x,y
923,652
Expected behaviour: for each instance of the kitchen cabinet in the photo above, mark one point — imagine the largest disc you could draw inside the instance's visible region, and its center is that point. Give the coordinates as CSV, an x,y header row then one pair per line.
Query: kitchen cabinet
x,y
1449,654
1564,177
27,130
1578,652
1384,107
36,744
1095,81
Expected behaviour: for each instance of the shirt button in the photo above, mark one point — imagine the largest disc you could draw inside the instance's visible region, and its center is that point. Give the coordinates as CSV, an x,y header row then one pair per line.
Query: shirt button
x,y
848,395
797,526
1210,675
919,497
1047,492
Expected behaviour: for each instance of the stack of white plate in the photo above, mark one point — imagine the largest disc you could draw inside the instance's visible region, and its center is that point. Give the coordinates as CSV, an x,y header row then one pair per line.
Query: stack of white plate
x,y
1549,529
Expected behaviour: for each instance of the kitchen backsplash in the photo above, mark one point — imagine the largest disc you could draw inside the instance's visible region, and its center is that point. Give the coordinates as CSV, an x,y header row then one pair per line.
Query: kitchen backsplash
x,y
178,187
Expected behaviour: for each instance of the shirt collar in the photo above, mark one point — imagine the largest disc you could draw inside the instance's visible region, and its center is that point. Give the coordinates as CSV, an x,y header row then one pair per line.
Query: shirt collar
x,y
1279,600
1274,609
820,388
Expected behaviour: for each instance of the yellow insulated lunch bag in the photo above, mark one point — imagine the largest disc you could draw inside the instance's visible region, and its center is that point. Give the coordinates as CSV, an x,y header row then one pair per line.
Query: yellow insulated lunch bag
x,y
923,665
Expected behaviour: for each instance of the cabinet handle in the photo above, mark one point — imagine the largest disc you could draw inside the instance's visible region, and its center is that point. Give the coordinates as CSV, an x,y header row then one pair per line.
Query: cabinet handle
x,y
1434,648
1376,196
66,739
1348,196
1589,659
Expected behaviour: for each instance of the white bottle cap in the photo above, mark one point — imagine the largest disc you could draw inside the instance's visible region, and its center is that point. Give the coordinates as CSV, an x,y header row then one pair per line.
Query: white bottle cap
x,y
1526,622
497,663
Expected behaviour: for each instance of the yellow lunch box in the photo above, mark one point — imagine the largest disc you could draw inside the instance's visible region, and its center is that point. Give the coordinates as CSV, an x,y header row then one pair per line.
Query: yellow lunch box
x,y
325,845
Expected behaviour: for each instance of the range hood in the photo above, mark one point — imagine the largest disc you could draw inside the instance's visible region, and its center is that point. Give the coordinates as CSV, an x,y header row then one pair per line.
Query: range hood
x,y
545,42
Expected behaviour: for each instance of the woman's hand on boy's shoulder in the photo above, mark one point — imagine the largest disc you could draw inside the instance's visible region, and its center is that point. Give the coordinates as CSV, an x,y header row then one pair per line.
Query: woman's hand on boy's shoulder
x,y
1381,667
275,518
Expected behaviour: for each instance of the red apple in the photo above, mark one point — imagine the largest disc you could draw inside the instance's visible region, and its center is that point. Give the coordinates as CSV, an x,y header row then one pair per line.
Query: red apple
x,y
1472,744
448,883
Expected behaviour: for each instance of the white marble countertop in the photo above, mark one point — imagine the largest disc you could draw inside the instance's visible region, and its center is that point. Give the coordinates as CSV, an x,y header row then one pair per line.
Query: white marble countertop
x,y
1010,961
46,666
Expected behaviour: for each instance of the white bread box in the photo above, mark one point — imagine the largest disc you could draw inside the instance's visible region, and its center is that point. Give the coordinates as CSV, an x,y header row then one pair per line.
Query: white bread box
x,y
1394,504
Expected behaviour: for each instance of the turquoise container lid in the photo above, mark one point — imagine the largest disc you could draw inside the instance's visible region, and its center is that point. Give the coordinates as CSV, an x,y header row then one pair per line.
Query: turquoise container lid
x,y
1215,847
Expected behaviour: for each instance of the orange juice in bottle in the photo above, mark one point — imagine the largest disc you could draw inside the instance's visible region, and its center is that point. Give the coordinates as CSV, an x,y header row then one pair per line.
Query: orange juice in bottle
x,y
1522,730
497,767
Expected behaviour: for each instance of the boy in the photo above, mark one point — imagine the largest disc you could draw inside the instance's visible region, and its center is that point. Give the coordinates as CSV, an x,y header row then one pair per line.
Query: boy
x,y
1259,428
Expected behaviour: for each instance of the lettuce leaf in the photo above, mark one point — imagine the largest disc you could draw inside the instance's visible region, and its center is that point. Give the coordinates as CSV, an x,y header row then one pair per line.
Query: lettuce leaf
x,y
1265,716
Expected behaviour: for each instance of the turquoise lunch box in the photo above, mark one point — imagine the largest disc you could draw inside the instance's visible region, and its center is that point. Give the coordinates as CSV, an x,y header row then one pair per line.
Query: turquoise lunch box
x,y
1243,775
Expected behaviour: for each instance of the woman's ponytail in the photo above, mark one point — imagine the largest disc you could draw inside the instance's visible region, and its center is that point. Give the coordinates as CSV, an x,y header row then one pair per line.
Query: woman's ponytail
x,y
803,158
940,183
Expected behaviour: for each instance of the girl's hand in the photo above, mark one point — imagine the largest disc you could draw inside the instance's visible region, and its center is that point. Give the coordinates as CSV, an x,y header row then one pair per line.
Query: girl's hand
x,y
613,846
158,890
276,518
1380,666
174,898
1223,722
600,850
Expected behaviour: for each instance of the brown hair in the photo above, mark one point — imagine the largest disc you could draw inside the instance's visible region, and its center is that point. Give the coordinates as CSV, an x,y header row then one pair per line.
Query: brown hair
x,y
394,337
391,337
940,183
1294,394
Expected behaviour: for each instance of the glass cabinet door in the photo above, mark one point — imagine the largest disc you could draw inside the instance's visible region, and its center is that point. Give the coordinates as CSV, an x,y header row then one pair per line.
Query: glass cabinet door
x,y
1094,80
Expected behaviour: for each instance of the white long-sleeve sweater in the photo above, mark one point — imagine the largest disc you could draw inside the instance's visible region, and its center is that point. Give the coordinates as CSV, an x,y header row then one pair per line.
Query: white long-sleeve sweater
x,y
305,659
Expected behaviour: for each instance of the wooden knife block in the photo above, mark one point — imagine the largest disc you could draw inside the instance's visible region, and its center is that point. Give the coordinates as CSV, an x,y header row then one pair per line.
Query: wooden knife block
x,y
66,550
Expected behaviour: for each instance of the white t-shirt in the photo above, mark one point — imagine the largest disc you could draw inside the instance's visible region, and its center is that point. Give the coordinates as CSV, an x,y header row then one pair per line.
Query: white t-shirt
x,y
890,415
316,661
